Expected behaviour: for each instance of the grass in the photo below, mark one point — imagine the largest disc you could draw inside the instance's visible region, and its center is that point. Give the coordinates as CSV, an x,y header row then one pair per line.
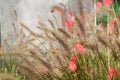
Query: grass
x,y
25,60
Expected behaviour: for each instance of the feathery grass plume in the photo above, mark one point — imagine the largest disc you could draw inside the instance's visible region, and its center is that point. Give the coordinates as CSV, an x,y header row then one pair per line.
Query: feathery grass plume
x,y
15,30
56,8
52,24
49,36
80,25
64,32
103,41
56,20
7,76
15,14
35,56
43,27
28,72
27,42
34,34
61,42
80,6
30,61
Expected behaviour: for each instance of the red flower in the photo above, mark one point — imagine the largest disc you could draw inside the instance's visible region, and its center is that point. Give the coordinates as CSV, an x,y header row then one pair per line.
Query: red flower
x,y
72,66
112,23
98,4
72,63
70,14
69,23
79,48
107,3
111,71
73,58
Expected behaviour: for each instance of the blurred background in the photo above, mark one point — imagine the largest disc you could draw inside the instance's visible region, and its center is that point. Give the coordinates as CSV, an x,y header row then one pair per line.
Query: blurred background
x,y
30,12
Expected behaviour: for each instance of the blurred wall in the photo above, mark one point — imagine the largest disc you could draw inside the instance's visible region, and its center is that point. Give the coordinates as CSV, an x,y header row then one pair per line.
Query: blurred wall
x,y
7,18
30,12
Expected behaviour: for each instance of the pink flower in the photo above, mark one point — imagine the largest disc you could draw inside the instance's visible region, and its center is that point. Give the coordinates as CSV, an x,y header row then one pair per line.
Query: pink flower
x,y
69,22
112,23
72,66
79,48
107,3
72,63
70,14
98,4
111,71
73,58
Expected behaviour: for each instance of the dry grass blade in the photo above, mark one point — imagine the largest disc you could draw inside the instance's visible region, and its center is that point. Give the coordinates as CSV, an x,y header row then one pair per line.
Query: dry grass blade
x,y
65,46
49,36
27,62
102,41
56,20
28,72
8,53
93,47
15,30
15,13
24,26
81,27
7,76
56,8
80,6
35,56
52,24
31,32
37,46
64,32
44,29
25,44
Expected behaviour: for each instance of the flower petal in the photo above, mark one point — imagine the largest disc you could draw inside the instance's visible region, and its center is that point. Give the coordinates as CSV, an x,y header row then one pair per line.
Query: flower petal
x,y
73,58
98,4
107,3
79,48
112,23
72,66
110,73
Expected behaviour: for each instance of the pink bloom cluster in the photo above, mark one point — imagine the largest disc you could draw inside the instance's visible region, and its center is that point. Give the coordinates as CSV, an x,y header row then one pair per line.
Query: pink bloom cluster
x,y
98,4
72,61
69,22
79,48
106,3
